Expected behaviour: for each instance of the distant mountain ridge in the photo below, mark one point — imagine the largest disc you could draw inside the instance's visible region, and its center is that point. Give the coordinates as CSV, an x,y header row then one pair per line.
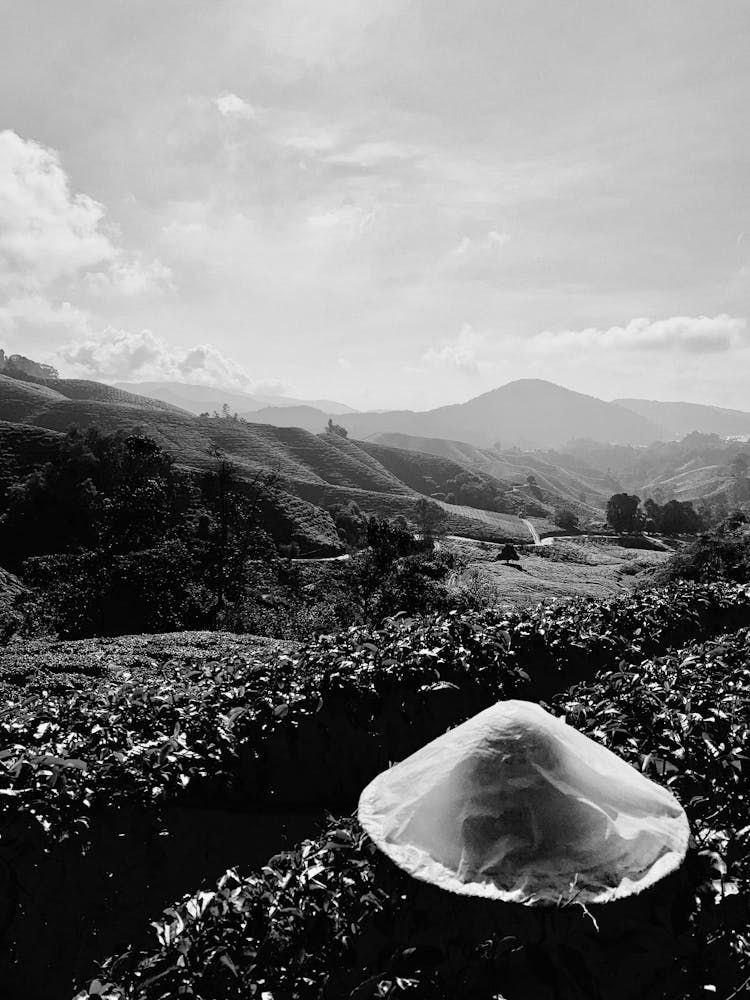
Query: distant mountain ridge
x,y
201,398
679,419
528,413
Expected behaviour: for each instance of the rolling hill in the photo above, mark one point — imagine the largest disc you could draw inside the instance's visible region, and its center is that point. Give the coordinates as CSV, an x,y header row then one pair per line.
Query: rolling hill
x,y
313,470
680,419
561,480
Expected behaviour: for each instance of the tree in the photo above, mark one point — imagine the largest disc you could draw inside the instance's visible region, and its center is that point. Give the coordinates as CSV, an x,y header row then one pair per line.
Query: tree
x,y
430,518
739,466
566,519
674,517
623,515
333,428
117,492
351,524
230,529
508,553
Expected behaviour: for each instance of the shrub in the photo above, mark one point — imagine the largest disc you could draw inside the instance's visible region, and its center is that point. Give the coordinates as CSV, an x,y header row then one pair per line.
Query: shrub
x,y
335,918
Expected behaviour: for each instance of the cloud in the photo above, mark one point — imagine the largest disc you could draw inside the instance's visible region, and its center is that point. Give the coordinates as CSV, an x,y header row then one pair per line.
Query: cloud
x,y
120,354
49,235
229,105
347,222
31,310
46,231
130,278
462,353
478,256
688,334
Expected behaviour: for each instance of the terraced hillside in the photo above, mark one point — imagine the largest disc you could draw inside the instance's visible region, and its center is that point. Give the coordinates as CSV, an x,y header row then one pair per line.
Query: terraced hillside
x,y
561,481
73,388
431,474
21,400
313,470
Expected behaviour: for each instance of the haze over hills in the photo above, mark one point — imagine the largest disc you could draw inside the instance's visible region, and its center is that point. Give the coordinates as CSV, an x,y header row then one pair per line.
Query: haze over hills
x,y
529,413
679,419
314,471
387,473
202,398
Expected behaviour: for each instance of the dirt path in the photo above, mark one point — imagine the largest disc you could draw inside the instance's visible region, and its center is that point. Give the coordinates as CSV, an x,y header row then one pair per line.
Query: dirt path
x,y
534,533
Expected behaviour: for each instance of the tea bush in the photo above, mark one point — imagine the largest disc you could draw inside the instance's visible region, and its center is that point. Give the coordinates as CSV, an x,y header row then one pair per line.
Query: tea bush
x,y
335,918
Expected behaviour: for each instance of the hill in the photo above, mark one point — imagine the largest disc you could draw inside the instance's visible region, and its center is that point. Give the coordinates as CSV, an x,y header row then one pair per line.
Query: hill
x,y
73,388
201,398
680,419
440,477
529,413
697,468
18,399
310,418
561,480
313,470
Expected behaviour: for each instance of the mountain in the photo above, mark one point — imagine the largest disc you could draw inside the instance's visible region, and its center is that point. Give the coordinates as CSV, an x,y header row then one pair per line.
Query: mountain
x,y
529,413
308,417
314,471
202,398
680,419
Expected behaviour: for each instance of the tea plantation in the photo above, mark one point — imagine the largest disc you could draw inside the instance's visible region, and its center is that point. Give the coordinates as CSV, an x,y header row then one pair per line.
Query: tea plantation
x,y
118,793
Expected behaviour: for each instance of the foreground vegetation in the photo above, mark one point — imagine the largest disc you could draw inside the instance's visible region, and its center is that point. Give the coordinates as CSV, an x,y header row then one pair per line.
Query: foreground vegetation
x,y
260,730
334,918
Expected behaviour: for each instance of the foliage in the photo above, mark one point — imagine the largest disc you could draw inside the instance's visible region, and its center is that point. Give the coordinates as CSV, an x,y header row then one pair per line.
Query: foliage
x,y
430,519
721,554
684,719
351,523
116,539
272,728
508,553
334,917
623,514
101,593
17,366
673,518
566,519
116,492
334,428
398,572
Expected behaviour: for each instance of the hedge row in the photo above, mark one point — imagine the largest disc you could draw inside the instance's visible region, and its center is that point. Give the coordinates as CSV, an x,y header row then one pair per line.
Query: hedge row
x,y
334,918
315,726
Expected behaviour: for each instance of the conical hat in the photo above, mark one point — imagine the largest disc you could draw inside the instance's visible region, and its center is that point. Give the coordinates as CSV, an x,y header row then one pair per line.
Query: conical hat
x,y
516,805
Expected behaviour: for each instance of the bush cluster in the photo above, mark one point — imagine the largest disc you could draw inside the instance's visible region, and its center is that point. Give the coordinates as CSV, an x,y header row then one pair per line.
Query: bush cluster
x,y
334,918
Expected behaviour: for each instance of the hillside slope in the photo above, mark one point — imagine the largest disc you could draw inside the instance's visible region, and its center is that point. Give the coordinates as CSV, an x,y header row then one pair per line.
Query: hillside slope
x,y
561,480
680,419
312,471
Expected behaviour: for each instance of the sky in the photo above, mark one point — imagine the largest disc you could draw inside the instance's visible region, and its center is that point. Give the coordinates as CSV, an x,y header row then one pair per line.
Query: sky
x,y
392,203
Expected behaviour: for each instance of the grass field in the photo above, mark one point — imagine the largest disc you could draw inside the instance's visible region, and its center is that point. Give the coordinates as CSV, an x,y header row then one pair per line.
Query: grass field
x,y
562,570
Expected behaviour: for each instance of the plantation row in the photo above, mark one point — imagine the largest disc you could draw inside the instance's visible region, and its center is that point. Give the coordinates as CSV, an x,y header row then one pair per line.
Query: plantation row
x,y
148,773
334,918
272,729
